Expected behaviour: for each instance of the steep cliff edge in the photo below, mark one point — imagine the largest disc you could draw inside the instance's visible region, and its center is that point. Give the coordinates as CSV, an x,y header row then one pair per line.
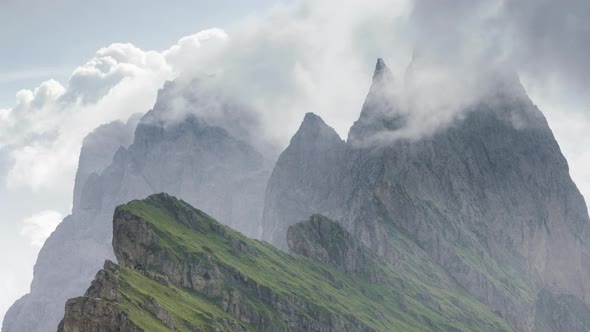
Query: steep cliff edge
x,y
172,149
182,270
488,198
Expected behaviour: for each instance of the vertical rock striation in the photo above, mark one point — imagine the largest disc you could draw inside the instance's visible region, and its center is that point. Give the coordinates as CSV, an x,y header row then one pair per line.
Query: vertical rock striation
x,y
171,150
488,198
182,270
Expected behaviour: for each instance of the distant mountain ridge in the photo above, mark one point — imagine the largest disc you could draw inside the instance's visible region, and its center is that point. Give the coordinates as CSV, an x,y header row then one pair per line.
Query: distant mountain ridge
x,y
475,226
170,149
489,199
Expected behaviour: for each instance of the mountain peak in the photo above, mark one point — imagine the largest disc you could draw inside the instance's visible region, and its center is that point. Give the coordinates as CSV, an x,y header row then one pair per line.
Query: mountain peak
x,y
313,127
382,73
380,111
312,118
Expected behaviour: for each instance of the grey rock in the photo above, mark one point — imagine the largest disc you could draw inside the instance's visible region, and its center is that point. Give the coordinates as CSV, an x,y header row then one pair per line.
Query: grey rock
x,y
305,173
327,242
489,199
134,243
85,314
181,154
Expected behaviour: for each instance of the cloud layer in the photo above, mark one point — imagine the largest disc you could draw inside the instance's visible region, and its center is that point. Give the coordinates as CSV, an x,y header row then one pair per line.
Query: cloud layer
x,y
43,131
313,56
304,57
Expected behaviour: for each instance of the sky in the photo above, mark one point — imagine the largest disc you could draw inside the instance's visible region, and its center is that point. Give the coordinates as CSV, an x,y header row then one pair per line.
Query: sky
x,y
49,39
67,67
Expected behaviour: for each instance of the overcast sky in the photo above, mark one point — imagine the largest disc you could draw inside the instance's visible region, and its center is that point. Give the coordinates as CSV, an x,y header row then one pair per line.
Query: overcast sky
x,y
62,74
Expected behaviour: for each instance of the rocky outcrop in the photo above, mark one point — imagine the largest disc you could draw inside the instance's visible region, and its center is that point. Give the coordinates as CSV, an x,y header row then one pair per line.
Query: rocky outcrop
x,y
171,149
94,315
311,167
325,241
96,310
135,239
488,198
381,110
182,270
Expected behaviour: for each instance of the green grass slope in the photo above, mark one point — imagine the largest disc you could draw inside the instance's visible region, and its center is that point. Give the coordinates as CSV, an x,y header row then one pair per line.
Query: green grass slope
x,y
254,286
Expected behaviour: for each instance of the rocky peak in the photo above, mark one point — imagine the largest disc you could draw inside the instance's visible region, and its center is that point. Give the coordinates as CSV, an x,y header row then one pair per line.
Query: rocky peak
x,y
382,74
315,131
320,239
488,198
325,241
380,110
312,163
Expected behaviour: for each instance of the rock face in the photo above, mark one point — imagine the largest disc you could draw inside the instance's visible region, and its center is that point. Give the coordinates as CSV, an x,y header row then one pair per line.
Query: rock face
x,y
182,270
489,199
309,169
327,242
172,150
98,150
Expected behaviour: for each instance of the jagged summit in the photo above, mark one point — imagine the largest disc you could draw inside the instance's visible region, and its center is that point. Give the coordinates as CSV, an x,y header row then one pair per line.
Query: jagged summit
x,y
314,138
382,73
313,128
312,118
381,109
488,198
312,122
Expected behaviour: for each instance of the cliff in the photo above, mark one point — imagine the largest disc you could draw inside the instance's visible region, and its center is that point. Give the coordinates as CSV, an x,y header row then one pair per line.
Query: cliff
x,y
182,270
487,197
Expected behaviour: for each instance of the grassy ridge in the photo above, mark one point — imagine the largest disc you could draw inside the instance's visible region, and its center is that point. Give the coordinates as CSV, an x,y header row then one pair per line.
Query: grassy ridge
x,y
404,303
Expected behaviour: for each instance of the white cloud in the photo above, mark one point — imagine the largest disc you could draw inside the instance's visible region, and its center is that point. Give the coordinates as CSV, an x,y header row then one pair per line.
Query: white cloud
x,y
109,67
43,132
305,57
39,226
309,56
190,51
283,63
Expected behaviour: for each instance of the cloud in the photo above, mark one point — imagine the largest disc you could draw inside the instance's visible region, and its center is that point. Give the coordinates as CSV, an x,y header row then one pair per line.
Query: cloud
x,y
190,51
43,132
109,67
305,57
313,56
39,226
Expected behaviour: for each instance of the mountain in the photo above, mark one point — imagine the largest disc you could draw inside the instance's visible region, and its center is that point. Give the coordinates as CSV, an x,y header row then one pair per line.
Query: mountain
x,y
173,149
488,199
311,170
181,270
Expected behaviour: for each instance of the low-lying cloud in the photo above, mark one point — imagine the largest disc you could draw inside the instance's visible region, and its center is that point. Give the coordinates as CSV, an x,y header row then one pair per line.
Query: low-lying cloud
x,y
313,56
307,57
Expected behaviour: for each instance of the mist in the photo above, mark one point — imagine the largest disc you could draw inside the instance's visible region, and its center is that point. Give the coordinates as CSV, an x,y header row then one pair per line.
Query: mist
x,y
258,77
445,57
